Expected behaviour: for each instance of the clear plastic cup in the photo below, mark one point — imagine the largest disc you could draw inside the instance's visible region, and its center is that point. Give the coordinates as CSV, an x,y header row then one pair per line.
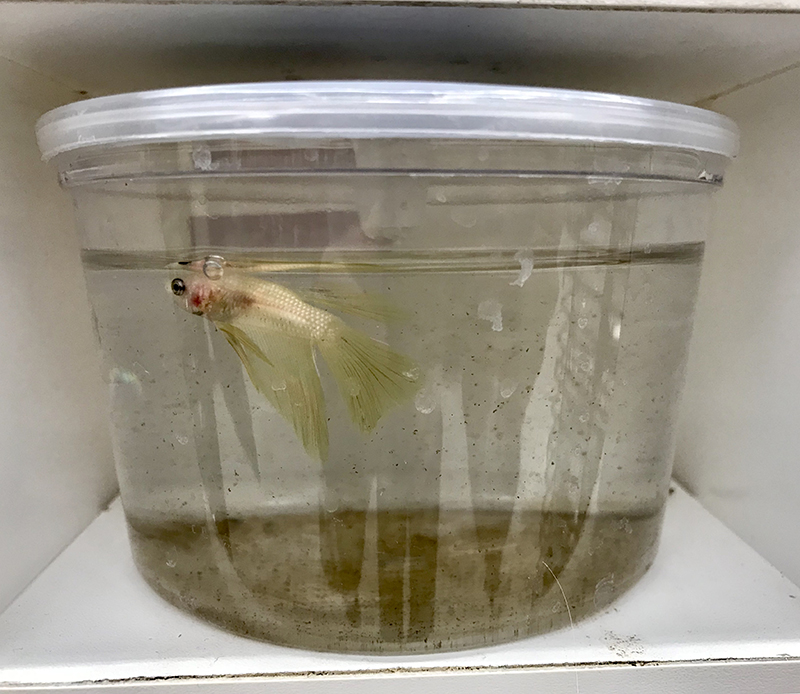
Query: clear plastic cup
x,y
393,367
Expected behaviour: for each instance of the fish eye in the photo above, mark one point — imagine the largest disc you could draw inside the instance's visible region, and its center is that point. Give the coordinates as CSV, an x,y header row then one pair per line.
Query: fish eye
x,y
178,286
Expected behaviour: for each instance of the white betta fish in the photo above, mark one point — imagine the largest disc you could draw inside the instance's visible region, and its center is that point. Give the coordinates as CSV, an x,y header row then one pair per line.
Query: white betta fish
x,y
274,332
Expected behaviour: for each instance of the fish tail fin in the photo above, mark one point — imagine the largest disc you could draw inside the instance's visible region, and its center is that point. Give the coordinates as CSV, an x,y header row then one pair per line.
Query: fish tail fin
x,y
371,376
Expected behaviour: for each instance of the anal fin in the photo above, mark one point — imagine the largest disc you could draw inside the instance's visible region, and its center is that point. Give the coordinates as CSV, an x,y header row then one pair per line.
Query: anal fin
x,y
283,370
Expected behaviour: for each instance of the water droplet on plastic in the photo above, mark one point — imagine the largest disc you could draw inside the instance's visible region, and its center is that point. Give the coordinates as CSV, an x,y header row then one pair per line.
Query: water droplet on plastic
x,y
441,197
583,418
122,377
202,160
171,563
425,402
604,590
412,374
279,386
464,217
311,155
182,440
605,181
583,322
648,248
598,231
525,260
507,388
586,366
492,310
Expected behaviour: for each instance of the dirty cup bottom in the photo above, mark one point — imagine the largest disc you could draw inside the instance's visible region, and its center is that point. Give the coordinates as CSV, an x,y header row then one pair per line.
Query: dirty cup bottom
x,y
384,582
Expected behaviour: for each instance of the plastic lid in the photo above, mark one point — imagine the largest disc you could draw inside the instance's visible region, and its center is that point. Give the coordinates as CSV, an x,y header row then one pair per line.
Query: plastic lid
x,y
360,109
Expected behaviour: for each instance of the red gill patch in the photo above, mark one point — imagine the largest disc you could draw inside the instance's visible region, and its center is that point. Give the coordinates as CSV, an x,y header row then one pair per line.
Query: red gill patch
x,y
201,297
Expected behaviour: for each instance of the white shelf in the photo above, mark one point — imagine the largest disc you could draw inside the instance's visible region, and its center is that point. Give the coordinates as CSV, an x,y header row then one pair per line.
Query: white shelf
x,y
709,613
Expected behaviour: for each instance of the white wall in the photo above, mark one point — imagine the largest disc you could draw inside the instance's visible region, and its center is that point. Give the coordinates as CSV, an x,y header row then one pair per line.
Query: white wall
x,y
739,448
55,457
108,47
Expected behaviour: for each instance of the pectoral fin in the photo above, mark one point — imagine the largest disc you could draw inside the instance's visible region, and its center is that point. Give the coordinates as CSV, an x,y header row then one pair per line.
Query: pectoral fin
x,y
282,369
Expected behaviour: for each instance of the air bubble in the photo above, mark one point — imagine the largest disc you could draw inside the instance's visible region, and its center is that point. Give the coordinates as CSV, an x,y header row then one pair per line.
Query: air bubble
x,y
213,267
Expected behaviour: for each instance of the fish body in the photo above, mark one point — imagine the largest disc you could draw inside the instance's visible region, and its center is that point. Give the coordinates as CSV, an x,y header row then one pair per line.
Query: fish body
x,y
276,333
236,298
